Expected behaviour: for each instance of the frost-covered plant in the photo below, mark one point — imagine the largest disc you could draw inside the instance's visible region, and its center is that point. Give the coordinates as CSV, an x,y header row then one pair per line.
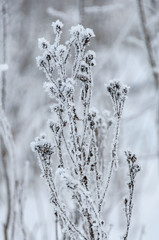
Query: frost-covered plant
x,y
77,184
133,170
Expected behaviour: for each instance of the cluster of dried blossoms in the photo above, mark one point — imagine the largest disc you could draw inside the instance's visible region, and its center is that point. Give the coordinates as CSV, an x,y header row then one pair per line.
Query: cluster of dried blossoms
x,y
133,170
78,135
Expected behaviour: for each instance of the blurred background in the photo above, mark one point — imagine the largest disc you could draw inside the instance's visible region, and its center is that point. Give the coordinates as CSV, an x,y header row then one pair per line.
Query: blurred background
x,y
127,48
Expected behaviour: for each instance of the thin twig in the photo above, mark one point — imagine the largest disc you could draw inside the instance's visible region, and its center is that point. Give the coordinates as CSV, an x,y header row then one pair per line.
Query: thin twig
x,y
114,150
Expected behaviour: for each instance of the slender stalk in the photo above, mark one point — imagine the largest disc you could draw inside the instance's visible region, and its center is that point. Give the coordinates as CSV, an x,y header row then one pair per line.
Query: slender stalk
x,y
113,160
129,213
56,226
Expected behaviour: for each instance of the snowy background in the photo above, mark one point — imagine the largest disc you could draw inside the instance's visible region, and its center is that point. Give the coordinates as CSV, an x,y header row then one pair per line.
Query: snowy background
x,y
122,54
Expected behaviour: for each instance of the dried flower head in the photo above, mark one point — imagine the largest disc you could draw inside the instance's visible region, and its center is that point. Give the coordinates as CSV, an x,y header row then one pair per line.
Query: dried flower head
x,y
43,43
57,26
90,58
118,93
43,148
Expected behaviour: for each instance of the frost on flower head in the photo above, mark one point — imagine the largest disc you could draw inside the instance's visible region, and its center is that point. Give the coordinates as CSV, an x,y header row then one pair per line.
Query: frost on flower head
x,y
134,168
90,57
43,43
40,62
79,29
128,201
89,32
76,30
84,67
79,33
118,93
57,26
89,61
45,62
42,146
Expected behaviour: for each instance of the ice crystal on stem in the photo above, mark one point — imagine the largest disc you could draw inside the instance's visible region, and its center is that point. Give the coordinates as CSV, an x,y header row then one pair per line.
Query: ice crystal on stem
x,y
78,135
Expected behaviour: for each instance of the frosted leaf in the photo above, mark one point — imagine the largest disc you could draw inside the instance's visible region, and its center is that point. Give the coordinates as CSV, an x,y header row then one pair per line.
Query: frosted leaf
x,y
57,26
